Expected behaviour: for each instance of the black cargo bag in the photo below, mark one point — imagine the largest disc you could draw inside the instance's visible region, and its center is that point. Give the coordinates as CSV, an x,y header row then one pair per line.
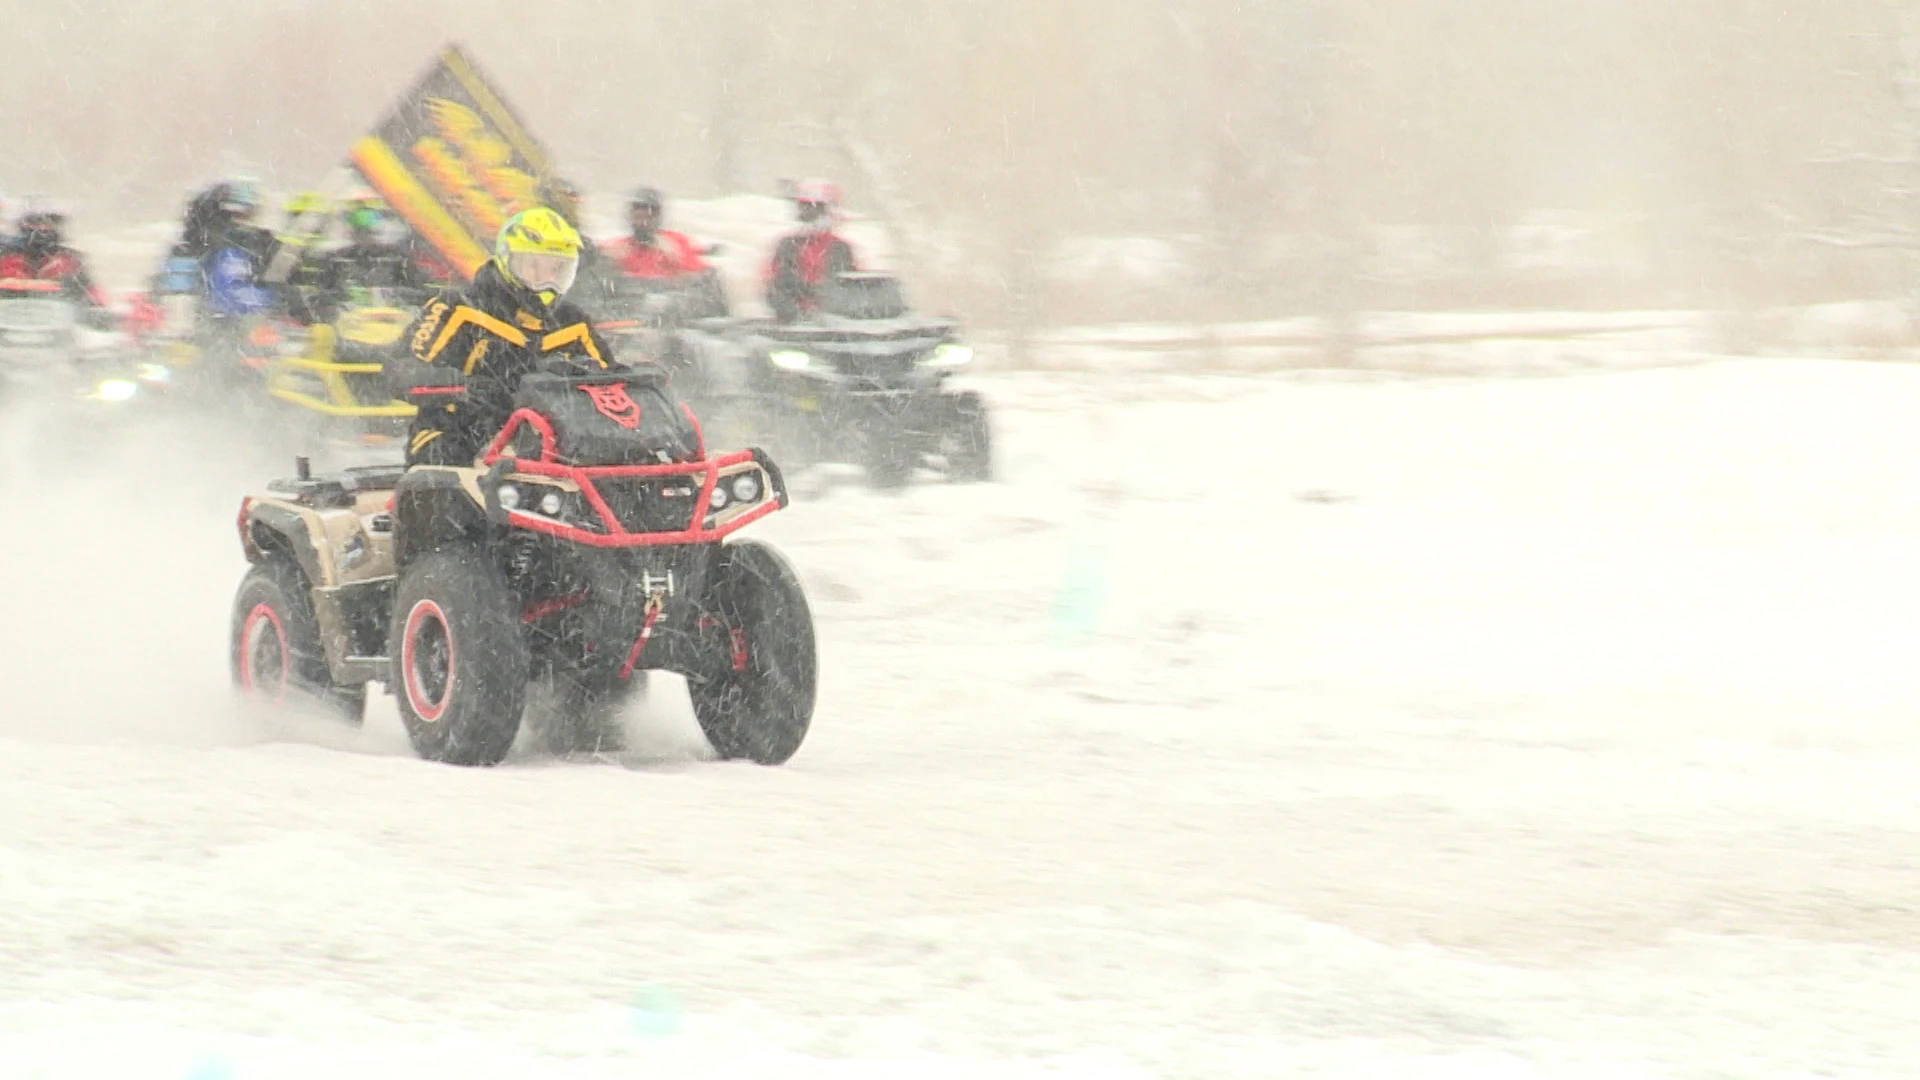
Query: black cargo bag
x,y
616,418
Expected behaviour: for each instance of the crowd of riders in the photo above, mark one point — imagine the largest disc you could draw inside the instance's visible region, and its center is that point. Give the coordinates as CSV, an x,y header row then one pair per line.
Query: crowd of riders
x,y
239,267
514,316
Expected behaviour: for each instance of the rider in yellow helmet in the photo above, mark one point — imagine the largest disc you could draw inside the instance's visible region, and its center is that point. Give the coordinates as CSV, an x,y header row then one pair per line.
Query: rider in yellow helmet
x,y
513,319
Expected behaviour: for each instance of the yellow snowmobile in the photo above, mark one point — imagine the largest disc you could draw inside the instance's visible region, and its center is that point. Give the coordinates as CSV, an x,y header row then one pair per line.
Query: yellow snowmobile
x,y
339,372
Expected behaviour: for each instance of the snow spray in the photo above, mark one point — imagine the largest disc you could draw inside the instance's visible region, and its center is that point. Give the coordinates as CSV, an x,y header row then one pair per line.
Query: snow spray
x,y
654,1010
1082,592
211,1069
1083,581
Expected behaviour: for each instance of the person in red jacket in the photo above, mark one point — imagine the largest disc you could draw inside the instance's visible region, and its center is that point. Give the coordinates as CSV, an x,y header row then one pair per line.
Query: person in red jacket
x,y
38,253
804,260
650,251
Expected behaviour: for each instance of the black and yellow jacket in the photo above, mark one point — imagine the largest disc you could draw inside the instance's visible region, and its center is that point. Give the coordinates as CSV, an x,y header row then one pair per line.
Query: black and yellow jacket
x,y
493,332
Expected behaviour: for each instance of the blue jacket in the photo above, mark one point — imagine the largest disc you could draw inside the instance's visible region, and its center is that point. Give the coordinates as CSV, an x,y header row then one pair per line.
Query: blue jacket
x,y
233,287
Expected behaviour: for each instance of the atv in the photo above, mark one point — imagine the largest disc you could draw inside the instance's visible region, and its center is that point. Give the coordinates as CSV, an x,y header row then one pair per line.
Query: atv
x,y
681,324
865,379
592,541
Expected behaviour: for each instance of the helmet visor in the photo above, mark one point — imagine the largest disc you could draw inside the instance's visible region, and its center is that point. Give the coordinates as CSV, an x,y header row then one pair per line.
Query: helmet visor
x,y
543,273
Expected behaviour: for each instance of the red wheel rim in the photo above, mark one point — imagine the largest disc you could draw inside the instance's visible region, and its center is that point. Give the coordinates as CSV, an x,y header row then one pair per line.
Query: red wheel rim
x,y
426,660
262,637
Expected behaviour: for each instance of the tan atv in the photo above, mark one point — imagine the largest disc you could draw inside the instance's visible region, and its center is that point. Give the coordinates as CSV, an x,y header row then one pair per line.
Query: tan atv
x,y
591,542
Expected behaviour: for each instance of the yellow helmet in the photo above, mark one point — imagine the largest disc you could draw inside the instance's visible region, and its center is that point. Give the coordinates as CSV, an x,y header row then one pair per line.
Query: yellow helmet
x,y
536,248
306,202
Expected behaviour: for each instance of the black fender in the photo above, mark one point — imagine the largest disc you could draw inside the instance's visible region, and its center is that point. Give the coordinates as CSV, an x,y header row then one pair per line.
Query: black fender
x,y
431,507
277,530
777,482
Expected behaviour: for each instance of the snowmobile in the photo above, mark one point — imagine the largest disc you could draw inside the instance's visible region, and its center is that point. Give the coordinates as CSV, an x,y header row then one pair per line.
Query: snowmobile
x,y
207,352
45,335
53,344
593,540
38,324
336,373
865,379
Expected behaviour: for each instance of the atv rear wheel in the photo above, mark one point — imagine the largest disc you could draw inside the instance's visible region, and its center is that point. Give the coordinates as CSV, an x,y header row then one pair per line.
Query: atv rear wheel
x,y
459,661
761,711
967,441
276,652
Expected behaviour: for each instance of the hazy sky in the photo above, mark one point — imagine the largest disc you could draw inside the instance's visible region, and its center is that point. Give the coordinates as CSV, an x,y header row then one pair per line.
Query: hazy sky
x,y
1012,123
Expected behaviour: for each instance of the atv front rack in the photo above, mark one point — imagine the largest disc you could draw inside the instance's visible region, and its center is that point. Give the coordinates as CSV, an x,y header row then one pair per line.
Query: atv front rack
x,y
704,523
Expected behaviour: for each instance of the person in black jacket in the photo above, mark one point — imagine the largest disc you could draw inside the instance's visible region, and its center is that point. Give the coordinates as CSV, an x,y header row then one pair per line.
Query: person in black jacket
x,y
511,321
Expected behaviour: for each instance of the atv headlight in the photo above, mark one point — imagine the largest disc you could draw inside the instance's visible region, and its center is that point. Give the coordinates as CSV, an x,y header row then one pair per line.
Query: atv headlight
x,y
550,504
156,373
719,499
509,497
790,359
117,390
952,354
746,487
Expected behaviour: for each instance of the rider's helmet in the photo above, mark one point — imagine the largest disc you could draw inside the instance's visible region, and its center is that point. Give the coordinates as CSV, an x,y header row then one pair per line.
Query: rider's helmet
x,y
365,221
303,214
303,203
41,230
644,207
240,198
562,196
538,251
363,212
816,202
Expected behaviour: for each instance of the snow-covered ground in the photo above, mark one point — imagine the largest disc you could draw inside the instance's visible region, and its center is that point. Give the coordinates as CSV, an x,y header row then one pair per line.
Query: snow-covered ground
x,y
1296,724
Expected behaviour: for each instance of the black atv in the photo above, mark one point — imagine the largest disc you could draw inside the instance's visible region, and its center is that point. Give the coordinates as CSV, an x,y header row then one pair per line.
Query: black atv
x,y
681,324
863,380
592,541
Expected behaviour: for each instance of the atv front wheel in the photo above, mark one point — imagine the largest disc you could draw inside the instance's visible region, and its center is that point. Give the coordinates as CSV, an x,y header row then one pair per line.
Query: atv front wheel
x,y
762,709
458,659
276,652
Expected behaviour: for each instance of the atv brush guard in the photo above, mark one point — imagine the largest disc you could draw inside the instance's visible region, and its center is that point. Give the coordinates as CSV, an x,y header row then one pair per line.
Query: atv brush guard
x,y
712,498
